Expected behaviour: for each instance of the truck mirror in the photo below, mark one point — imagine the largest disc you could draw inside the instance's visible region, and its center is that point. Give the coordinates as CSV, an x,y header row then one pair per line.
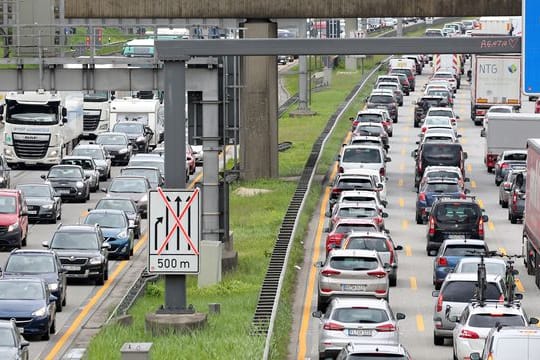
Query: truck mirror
x,y
64,120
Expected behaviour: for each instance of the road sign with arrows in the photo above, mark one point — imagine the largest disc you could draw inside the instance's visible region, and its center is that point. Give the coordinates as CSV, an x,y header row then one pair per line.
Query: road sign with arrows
x,y
174,229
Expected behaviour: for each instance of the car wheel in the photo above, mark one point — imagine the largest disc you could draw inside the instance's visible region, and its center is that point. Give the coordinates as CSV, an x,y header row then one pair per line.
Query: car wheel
x,y
438,340
437,285
419,219
529,266
513,219
100,280
504,204
65,298
53,326
108,174
131,251
321,304
106,273
489,169
58,306
47,334
393,279
23,241
59,214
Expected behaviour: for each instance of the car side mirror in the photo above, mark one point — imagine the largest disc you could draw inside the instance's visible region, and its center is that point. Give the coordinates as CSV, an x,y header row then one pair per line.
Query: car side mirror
x,y
467,191
457,116
327,214
413,153
45,244
417,142
104,190
384,203
43,176
380,186
465,155
533,321
318,264
384,215
335,246
64,112
326,229
518,296
474,356
24,213
24,344
398,247
485,218
52,298
400,316
483,133
86,177
435,293
466,179
106,245
458,136
387,159
317,314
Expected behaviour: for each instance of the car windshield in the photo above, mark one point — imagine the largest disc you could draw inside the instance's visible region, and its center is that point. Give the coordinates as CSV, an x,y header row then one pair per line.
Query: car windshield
x,y
106,220
35,191
381,99
491,268
93,153
516,157
442,188
111,140
494,320
361,155
65,172
128,185
367,243
355,263
151,174
369,118
356,212
21,290
30,264
464,250
85,164
457,213
158,164
75,240
8,205
116,204
360,315
439,93
464,291
129,128
434,121
347,228
443,76
7,338
359,184
444,113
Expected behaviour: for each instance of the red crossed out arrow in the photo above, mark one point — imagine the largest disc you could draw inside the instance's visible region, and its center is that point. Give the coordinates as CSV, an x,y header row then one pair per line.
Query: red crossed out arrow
x,y
178,220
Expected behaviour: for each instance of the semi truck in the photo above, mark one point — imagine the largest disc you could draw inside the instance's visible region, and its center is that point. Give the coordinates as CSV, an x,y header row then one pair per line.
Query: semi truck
x,y
496,81
146,111
531,221
96,113
508,131
41,126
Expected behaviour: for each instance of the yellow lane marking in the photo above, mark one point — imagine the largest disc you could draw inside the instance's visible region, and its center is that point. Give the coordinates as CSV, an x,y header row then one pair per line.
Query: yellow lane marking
x,y
502,251
473,184
406,139
403,151
520,286
491,226
402,167
463,140
481,203
412,280
408,250
401,202
400,182
469,167
404,224
420,322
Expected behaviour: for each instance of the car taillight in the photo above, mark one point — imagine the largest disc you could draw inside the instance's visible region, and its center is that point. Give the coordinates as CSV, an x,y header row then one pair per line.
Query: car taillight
x,y
431,226
333,326
481,227
424,129
382,172
462,196
514,198
468,334
336,190
378,274
442,261
507,185
480,112
330,273
439,303
422,197
355,123
391,249
386,328
504,166
501,298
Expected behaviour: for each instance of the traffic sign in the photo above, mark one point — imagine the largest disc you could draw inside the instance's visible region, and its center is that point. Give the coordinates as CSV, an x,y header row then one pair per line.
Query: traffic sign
x,y
530,49
174,230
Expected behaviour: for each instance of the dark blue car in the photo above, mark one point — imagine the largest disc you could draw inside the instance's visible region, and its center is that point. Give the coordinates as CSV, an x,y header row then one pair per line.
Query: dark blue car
x,y
451,252
29,302
116,230
433,188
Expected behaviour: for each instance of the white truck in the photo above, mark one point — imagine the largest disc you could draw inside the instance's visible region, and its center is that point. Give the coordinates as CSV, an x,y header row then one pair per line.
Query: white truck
x,y
96,113
41,126
494,25
509,131
146,111
496,80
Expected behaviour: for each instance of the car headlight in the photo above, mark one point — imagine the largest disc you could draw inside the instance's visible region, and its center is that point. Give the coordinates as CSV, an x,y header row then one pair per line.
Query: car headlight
x,y
54,153
2,179
47,206
8,151
13,227
53,286
123,151
40,312
79,184
122,234
140,139
95,260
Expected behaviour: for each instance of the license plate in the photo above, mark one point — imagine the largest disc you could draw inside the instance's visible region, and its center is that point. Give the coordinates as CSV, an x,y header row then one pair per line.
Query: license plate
x,y
72,268
21,330
455,236
32,212
359,332
354,287
63,191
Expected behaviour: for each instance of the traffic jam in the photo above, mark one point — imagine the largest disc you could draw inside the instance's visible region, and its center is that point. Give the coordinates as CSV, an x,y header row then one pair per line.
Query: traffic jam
x,y
464,111
69,215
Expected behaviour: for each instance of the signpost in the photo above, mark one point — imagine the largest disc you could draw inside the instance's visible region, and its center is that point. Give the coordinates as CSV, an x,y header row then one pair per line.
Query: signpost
x,y
174,231
530,52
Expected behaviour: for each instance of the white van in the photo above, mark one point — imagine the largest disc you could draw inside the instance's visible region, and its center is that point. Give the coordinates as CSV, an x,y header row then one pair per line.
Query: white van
x,y
511,342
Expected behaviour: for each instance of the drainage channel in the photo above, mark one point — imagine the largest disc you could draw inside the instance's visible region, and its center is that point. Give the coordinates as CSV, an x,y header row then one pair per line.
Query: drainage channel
x,y
266,310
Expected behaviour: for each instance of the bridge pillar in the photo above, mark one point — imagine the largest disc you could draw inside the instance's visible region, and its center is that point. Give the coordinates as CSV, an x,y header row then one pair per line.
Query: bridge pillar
x,y
259,108
351,29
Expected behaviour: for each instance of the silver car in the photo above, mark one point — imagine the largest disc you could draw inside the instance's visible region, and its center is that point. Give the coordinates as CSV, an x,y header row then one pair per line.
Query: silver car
x,y
363,156
135,188
456,293
100,156
352,273
358,320
89,167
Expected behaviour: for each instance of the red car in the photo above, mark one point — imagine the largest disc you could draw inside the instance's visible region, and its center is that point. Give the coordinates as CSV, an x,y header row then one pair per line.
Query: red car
x,y
13,219
344,226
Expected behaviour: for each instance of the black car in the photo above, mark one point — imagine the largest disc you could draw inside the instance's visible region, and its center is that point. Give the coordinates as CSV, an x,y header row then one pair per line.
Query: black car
x,y
5,174
42,202
380,99
69,182
454,218
437,154
117,145
13,345
423,104
83,252
139,135
43,264
516,198
128,206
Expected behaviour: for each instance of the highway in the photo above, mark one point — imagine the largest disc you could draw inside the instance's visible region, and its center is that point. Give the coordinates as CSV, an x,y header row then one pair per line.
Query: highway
x,y
412,295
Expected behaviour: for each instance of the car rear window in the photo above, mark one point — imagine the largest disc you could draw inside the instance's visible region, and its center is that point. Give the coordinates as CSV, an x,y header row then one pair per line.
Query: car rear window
x,y
516,157
444,113
457,212
343,229
362,155
375,356
490,320
357,198
442,152
491,268
366,130
358,183
443,174
357,212
443,76
382,99
369,118
355,263
464,291
442,188
367,243
360,315
464,250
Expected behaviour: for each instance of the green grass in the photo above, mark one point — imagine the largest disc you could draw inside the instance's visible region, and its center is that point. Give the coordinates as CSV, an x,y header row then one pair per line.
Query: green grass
x,y
113,40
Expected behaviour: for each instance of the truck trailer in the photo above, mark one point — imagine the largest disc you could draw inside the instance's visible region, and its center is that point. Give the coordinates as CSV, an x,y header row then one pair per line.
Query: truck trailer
x,y
531,221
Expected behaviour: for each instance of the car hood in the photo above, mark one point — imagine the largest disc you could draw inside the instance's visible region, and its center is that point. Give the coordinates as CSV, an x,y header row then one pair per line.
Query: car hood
x,y
133,196
49,278
38,201
19,308
77,252
8,353
8,219
114,147
100,162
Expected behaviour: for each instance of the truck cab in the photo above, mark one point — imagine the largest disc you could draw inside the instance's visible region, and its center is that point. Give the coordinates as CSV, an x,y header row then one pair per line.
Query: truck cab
x,y
96,113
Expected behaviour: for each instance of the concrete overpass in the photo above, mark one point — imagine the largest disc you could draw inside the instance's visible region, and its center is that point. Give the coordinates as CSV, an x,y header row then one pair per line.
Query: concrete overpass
x,y
265,9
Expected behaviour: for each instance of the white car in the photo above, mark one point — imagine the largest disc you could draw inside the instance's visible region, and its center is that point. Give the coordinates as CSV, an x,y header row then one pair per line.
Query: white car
x,y
448,76
475,322
443,111
377,179
363,156
360,196
434,122
440,135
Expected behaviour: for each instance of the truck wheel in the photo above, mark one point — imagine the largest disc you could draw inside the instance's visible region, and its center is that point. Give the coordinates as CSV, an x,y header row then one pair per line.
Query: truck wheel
x,y
504,204
513,219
